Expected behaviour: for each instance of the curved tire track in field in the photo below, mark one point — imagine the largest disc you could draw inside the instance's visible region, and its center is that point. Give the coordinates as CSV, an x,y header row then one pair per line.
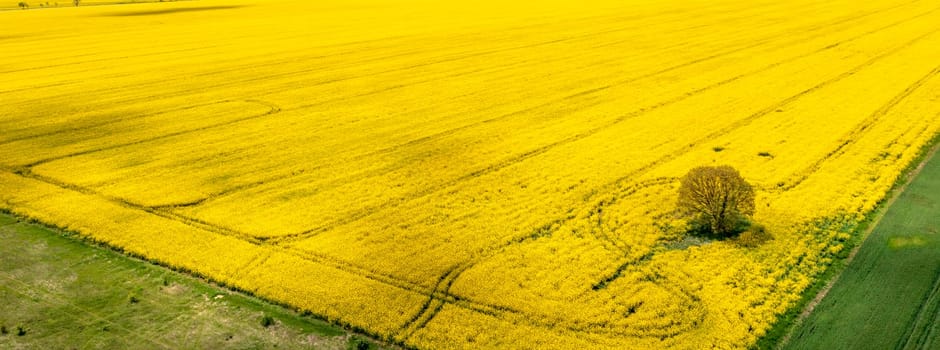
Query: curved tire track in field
x,y
624,193
441,292
442,295
437,297
434,303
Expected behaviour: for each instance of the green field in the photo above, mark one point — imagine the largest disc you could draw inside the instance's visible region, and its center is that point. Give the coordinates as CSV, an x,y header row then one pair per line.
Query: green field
x,y
889,296
57,292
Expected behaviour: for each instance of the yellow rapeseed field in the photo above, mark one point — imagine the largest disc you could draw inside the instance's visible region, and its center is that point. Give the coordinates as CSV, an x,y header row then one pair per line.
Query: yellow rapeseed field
x,y
471,174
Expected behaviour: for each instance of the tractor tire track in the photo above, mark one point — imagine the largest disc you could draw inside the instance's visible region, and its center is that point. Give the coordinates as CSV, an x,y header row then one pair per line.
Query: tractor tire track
x,y
273,109
150,54
609,242
111,122
263,58
442,295
922,326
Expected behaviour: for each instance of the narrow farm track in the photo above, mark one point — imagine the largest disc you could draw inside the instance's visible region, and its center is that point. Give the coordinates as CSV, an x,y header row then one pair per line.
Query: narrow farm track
x,y
921,333
475,176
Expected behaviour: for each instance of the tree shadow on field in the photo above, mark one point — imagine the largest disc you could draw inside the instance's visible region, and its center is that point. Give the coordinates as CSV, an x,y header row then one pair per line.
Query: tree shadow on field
x,y
170,11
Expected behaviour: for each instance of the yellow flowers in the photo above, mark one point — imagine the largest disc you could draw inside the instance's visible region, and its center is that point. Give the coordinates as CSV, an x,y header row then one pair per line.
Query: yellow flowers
x,y
471,175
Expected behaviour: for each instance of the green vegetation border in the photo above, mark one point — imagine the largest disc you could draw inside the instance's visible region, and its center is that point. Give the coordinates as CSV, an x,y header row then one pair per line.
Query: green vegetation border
x,y
786,322
92,243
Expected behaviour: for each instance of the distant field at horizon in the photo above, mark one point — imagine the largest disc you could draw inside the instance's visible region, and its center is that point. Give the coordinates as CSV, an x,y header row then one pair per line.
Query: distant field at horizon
x,y
471,175
41,5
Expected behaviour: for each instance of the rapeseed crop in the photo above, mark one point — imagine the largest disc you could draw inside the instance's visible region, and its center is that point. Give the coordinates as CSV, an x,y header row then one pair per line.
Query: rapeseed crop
x,y
471,175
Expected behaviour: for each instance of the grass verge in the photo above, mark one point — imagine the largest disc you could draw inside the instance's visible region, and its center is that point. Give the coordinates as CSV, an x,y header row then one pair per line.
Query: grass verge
x,y
797,321
59,292
889,296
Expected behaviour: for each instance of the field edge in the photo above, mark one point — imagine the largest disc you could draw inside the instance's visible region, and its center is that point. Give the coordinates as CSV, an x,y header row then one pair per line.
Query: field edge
x,y
196,277
778,335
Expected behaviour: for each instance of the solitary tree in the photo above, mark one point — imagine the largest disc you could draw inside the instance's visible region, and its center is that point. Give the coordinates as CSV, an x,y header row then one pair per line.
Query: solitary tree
x,y
23,5
716,196
76,2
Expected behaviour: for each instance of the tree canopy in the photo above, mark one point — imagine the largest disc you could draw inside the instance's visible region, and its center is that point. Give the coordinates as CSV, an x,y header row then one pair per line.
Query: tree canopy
x,y
717,197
